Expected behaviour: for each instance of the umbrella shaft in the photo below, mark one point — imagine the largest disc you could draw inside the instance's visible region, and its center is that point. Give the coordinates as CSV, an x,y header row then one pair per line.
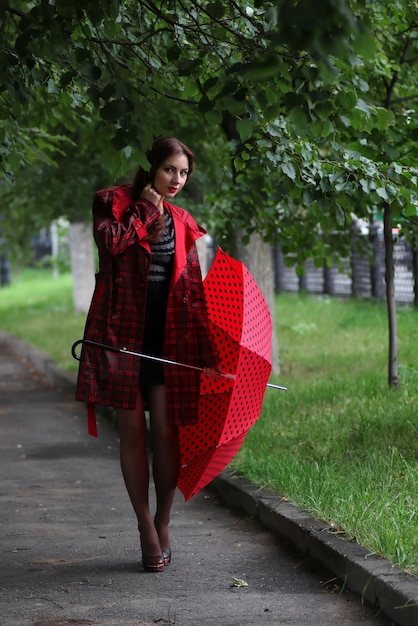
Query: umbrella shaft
x,y
103,346
152,358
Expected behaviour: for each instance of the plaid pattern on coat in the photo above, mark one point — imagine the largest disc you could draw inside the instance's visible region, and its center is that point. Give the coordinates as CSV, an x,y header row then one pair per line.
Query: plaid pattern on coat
x,y
117,310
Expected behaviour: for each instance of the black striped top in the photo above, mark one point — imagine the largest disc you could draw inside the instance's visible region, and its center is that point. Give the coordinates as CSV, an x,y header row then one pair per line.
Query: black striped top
x,y
162,252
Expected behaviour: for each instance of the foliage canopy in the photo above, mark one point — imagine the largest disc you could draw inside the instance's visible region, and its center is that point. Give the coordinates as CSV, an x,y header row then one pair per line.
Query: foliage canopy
x,y
302,113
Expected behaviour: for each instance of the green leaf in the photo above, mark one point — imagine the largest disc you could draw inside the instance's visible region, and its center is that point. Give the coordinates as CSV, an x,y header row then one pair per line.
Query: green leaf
x,y
364,44
339,216
345,121
288,169
346,99
82,54
361,105
384,118
113,110
263,69
327,127
52,87
190,88
66,78
234,106
270,17
174,52
391,191
108,91
186,66
364,185
24,39
205,105
411,210
239,164
299,119
214,117
358,120
120,140
215,10
94,72
245,129
382,193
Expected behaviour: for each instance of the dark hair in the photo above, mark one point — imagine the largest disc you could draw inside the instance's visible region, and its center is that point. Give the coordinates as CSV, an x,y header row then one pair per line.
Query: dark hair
x,y
161,150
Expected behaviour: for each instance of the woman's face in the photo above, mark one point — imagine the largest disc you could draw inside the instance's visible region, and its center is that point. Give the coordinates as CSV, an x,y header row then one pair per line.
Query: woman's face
x,y
171,176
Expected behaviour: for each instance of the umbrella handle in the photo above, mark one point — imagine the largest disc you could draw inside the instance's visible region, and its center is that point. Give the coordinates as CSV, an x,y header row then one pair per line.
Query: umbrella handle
x,y
73,347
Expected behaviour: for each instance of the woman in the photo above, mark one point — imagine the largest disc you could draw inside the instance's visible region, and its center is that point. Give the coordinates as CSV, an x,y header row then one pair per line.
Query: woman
x,y
148,298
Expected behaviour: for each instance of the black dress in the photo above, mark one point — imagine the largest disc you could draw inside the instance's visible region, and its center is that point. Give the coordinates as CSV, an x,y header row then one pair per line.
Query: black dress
x,y
162,253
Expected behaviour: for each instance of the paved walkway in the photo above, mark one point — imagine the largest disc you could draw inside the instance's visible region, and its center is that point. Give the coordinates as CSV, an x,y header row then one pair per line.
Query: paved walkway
x,y
69,552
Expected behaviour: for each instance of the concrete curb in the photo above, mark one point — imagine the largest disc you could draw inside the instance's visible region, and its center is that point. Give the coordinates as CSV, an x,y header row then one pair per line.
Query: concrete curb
x,y
41,361
376,580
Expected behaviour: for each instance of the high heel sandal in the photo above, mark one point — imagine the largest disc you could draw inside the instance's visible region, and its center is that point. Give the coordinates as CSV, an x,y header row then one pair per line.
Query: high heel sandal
x,y
167,556
153,563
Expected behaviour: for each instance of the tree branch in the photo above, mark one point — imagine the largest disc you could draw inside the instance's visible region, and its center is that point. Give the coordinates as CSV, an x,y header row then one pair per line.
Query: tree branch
x,y
14,11
405,99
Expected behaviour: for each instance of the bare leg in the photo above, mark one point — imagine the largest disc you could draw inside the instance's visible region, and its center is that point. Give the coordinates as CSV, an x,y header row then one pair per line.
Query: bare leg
x,y
166,461
135,470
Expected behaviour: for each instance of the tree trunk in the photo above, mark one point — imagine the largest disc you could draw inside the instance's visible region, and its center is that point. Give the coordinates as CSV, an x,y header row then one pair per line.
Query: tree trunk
x,y
82,265
258,258
204,254
390,299
54,246
257,255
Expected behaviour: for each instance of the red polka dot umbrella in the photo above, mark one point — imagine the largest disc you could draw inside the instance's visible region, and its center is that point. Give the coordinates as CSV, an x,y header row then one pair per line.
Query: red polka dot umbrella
x,y
241,327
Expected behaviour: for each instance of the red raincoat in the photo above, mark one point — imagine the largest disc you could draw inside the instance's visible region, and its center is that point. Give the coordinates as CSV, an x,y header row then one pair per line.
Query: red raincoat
x,y
117,310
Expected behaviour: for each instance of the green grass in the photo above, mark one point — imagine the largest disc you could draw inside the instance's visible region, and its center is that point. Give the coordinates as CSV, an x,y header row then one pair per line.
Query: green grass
x,y
339,443
39,309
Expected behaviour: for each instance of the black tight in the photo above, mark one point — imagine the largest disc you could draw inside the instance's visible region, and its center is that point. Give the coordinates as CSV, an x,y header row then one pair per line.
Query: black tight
x,y
135,469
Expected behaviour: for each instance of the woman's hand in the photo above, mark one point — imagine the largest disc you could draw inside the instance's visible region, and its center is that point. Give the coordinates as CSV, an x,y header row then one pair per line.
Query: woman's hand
x,y
150,194
215,374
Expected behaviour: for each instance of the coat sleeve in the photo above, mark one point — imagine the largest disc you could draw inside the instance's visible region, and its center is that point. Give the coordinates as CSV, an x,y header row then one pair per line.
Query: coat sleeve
x,y
116,235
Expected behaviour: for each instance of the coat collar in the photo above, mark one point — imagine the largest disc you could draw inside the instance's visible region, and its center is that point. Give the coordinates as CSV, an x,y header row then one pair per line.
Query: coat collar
x,y
186,228
122,199
181,215
187,231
